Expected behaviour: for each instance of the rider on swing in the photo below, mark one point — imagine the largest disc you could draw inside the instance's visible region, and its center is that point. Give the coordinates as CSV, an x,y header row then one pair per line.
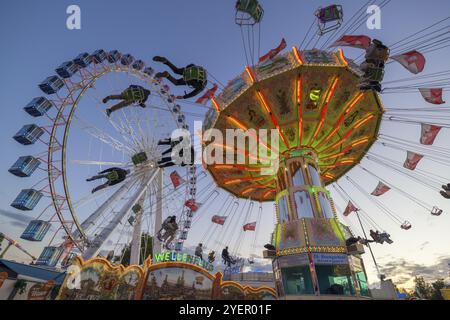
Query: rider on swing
x,y
113,176
193,76
132,95
170,228
226,257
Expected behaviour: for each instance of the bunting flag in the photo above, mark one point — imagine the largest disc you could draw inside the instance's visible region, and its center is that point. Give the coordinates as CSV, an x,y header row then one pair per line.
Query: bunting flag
x,y
209,94
380,189
360,42
274,52
219,219
429,133
413,61
250,226
176,179
191,204
350,208
433,96
412,160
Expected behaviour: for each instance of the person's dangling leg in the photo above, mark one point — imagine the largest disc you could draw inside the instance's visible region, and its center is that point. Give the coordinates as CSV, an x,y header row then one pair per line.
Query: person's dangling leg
x,y
99,176
119,106
113,97
165,61
100,187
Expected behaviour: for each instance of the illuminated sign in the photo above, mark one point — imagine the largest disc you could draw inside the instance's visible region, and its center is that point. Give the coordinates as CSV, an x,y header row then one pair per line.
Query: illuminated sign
x,y
330,258
182,257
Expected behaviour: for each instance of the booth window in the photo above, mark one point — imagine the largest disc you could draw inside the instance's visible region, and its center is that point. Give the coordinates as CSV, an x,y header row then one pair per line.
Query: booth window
x,y
326,205
335,279
316,181
297,280
303,204
283,209
362,283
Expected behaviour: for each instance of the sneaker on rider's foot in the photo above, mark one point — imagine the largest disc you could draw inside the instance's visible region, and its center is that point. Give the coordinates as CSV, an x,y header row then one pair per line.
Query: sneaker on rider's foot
x,y
161,74
105,100
159,59
108,112
445,194
446,187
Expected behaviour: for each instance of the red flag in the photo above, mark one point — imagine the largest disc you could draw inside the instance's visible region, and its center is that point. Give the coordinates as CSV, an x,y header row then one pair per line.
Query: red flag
x,y
219,219
350,208
360,42
209,94
429,133
412,160
274,52
380,189
176,179
191,204
433,96
250,226
414,61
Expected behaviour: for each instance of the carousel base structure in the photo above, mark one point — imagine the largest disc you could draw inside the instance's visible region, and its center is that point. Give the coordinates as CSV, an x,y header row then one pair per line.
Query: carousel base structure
x,y
178,276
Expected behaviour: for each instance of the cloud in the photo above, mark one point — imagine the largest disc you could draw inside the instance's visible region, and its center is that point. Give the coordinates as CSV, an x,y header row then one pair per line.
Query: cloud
x,y
402,271
15,219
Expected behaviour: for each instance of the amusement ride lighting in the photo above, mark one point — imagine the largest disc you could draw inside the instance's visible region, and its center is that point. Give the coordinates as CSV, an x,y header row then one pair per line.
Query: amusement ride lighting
x,y
297,55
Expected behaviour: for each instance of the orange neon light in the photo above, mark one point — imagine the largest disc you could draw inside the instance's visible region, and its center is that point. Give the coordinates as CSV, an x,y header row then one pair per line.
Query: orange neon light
x,y
247,191
328,97
300,110
267,193
237,123
364,120
359,142
266,106
297,55
216,105
250,74
342,57
348,108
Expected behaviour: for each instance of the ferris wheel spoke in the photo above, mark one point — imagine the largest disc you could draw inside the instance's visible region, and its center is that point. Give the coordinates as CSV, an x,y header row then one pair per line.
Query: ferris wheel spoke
x,y
100,163
104,137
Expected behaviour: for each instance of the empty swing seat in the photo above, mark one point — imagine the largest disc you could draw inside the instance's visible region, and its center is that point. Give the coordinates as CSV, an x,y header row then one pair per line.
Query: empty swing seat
x,y
51,85
149,71
127,59
67,69
113,56
184,235
136,208
38,107
24,166
28,134
27,199
83,60
36,230
187,224
179,246
138,65
99,56
49,256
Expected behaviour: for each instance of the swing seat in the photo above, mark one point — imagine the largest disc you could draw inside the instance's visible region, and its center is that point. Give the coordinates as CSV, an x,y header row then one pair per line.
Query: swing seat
x,y
436,211
406,225
112,176
248,12
329,18
194,73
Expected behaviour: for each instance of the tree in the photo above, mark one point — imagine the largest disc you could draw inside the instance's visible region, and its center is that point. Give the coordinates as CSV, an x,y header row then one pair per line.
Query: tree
x,y
437,286
146,250
422,290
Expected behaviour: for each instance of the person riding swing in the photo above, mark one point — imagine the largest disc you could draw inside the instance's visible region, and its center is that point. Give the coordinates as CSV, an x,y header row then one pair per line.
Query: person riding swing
x,y
132,95
113,176
193,76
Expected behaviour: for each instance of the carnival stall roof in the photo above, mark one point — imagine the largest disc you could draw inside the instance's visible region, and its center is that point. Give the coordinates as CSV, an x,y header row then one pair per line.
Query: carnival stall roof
x,y
14,269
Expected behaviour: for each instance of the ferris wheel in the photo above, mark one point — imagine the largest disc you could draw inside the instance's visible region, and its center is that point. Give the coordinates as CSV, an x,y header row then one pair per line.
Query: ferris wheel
x,y
77,142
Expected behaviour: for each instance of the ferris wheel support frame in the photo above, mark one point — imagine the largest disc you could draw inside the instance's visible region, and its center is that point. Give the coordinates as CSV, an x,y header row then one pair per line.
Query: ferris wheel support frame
x,y
103,236
136,238
159,209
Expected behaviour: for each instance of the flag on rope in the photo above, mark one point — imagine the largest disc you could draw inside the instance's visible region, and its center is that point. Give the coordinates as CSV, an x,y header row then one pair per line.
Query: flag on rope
x,y
191,204
412,160
360,42
429,133
176,179
209,94
433,96
414,61
250,226
219,219
380,189
274,52
350,208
